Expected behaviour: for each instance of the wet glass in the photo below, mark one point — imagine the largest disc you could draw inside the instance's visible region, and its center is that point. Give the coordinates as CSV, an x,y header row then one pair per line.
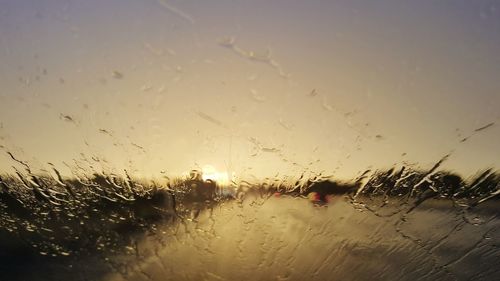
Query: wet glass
x,y
249,140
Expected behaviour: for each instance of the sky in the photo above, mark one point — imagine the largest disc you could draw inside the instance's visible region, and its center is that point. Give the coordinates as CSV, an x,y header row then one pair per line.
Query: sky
x,y
251,88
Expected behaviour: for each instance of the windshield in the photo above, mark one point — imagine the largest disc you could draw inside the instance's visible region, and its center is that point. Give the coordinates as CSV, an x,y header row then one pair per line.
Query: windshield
x,y
252,140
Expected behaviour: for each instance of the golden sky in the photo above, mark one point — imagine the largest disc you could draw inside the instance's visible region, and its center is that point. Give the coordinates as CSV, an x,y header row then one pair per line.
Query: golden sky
x,y
258,88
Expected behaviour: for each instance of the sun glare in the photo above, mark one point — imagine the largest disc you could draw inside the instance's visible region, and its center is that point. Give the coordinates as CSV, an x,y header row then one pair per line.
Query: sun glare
x,y
210,173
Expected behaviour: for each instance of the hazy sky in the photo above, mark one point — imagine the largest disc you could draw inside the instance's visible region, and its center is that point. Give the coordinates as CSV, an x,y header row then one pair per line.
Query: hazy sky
x,y
254,87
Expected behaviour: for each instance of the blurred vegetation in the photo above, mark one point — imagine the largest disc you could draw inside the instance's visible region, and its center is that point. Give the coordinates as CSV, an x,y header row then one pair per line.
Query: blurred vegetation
x,y
51,216
439,184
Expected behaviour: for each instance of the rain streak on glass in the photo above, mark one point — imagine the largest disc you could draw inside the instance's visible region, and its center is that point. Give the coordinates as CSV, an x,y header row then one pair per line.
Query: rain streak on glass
x,y
249,140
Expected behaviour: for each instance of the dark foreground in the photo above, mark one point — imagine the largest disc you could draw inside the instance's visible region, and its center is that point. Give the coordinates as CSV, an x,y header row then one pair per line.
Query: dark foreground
x,y
399,225
287,238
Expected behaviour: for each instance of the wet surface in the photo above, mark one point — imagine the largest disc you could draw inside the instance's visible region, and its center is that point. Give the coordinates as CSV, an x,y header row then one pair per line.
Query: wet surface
x,y
249,140
288,239
320,231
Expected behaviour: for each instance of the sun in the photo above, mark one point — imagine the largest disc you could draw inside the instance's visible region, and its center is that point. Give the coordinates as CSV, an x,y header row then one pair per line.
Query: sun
x,y
209,172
